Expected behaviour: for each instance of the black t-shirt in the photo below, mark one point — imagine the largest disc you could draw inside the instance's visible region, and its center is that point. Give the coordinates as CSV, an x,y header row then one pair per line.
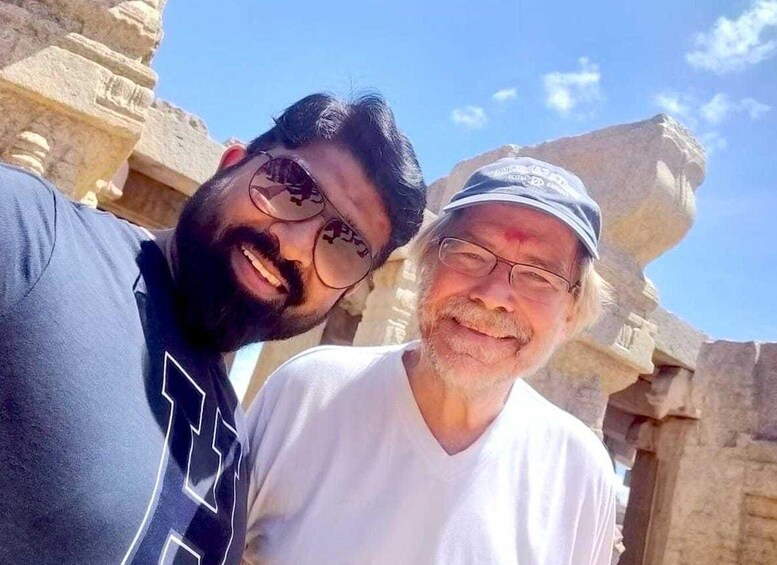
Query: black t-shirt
x,y
119,441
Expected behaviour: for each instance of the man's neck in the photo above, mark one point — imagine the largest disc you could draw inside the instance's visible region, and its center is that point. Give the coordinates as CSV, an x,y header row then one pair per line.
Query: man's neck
x,y
165,240
456,418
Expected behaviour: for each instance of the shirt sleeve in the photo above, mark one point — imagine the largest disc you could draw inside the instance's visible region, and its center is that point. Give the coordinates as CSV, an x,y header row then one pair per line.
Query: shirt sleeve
x,y
605,528
27,233
257,418
269,420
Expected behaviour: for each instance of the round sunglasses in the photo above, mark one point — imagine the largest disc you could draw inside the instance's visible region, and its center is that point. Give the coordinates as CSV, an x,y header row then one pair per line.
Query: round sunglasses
x,y
284,190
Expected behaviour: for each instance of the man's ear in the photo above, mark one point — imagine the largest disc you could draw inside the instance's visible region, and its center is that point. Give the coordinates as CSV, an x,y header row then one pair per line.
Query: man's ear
x,y
570,321
232,154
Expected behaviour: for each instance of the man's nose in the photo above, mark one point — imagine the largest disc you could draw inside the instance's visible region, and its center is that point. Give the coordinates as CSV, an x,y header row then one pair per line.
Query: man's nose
x,y
297,239
494,291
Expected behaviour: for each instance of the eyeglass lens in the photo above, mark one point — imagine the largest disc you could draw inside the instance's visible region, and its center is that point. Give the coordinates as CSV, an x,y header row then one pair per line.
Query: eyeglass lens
x,y
529,281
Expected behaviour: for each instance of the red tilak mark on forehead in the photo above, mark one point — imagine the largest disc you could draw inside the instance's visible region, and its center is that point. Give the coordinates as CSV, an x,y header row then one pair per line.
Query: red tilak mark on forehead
x,y
516,235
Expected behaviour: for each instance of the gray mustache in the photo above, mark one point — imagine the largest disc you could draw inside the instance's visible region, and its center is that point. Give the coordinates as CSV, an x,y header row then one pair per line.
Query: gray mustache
x,y
469,313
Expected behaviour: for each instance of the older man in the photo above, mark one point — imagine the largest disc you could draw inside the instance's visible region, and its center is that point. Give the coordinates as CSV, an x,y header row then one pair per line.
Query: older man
x,y
439,451
122,440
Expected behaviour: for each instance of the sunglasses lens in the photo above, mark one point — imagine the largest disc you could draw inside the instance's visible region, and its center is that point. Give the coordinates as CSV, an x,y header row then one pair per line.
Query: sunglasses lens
x,y
341,256
284,190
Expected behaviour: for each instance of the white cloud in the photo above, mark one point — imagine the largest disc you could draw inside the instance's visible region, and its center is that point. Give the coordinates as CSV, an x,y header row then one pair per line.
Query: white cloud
x,y
677,105
504,95
471,117
735,45
565,91
716,109
720,107
713,142
690,110
753,108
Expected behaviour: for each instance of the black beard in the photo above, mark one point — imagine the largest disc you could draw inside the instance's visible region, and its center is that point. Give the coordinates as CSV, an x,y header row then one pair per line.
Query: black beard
x,y
216,312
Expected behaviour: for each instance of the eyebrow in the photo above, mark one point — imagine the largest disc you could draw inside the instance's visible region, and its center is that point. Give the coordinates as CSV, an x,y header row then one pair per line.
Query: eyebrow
x,y
556,268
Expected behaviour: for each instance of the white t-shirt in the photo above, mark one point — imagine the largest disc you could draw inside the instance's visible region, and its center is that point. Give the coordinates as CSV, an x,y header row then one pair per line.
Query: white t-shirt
x,y
345,470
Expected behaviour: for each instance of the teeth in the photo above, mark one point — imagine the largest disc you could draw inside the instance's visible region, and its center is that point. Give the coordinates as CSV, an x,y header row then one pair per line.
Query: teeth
x,y
267,275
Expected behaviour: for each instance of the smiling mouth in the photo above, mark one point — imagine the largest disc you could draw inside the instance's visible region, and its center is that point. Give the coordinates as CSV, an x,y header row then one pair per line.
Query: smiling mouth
x,y
488,332
262,269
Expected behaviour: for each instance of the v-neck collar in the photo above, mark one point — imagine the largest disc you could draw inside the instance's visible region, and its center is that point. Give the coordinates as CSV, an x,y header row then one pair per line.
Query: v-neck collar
x,y
439,461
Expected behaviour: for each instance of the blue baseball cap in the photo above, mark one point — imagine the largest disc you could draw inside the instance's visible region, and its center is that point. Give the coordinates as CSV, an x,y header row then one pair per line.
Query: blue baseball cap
x,y
539,185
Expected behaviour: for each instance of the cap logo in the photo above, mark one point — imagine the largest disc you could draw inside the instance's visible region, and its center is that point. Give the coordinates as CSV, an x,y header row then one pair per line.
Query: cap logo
x,y
528,182
536,176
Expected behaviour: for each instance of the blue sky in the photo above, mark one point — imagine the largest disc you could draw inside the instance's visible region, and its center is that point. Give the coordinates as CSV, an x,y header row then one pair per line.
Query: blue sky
x,y
561,68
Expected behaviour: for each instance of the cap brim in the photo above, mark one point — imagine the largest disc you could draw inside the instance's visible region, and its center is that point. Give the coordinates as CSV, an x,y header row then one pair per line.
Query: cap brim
x,y
569,221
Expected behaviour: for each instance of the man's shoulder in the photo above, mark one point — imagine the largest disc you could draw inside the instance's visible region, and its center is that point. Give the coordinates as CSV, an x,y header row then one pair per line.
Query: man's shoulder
x,y
38,200
22,191
312,384
17,176
579,443
329,365
342,354
318,376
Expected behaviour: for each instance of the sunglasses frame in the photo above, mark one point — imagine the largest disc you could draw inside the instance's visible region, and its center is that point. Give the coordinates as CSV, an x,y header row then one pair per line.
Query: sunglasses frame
x,y
324,205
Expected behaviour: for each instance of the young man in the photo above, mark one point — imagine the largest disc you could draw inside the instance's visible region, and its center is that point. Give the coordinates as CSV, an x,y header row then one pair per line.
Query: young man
x,y
122,440
438,451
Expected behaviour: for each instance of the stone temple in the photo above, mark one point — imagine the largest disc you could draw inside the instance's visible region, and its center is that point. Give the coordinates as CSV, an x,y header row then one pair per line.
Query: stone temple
x,y
694,420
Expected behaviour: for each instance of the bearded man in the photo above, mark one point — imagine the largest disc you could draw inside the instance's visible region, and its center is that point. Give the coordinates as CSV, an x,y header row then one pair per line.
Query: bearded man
x,y
122,438
438,451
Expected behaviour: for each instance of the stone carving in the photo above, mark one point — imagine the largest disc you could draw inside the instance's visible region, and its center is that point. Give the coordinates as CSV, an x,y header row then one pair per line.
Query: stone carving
x,y
132,28
30,148
110,190
123,96
355,300
666,392
175,148
115,62
389,313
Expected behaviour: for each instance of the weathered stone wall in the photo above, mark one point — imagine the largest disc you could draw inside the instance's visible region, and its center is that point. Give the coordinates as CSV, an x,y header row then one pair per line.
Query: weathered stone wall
x,y
722,505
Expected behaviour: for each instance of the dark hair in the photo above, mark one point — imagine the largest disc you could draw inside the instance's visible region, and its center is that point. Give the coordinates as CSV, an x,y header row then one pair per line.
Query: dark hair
x,y
365,127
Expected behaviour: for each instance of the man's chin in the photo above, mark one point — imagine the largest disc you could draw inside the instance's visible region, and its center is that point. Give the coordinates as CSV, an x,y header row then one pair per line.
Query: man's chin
x,y
472,368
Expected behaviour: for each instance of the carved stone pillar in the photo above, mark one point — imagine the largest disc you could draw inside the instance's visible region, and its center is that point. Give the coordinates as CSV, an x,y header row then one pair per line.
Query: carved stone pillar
x,y
389,313
75,86
30,148
713,498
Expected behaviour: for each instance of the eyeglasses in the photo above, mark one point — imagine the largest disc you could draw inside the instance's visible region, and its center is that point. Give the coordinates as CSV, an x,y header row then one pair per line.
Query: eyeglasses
x,y
284,190
534,283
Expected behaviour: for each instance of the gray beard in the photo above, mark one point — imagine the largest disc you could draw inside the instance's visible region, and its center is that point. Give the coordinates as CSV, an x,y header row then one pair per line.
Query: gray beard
x,y
490,371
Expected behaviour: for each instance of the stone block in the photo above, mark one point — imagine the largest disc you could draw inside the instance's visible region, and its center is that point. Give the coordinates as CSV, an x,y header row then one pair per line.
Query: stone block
x,y
175,149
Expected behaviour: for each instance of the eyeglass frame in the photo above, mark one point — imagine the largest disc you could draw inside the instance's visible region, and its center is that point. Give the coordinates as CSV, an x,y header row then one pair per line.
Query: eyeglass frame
x,y
327,202
571,288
